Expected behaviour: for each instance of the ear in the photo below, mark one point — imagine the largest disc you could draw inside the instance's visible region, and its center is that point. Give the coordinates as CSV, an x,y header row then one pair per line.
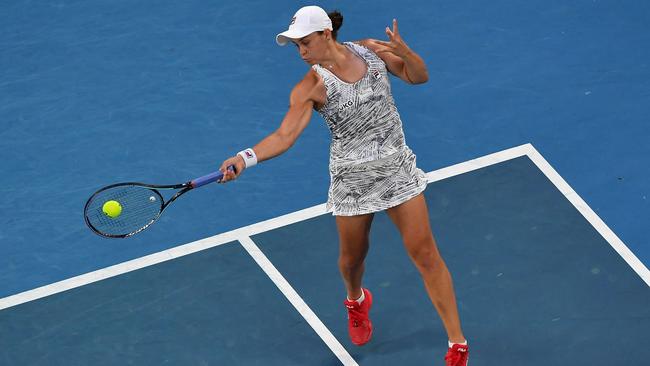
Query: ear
x,y
328,34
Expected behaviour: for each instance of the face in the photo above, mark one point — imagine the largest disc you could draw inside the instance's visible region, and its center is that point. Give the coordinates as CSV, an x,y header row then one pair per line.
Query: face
x,y
312,48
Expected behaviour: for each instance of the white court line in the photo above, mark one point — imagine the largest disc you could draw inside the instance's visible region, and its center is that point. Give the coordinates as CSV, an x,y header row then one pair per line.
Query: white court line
x,y
243,236
160,257
318,210
589,214
297,302
230,236
478,163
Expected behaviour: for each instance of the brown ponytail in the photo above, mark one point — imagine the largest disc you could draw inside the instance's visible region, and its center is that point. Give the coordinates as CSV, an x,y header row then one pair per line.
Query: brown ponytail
x,y
337,21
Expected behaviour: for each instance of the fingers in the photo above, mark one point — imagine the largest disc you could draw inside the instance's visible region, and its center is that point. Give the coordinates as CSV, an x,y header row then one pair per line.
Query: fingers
x,y
228,174
225,177
383,49
390,34
394,33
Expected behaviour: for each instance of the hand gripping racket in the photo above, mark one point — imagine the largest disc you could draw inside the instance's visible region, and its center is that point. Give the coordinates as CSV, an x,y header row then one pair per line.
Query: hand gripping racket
x,y
134,206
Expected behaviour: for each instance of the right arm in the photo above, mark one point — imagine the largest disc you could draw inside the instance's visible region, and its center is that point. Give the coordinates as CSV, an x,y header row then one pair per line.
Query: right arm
x,y
308,93
301,105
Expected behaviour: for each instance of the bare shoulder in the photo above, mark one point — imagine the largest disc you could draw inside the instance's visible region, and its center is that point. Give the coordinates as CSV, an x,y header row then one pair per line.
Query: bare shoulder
x,y
310,89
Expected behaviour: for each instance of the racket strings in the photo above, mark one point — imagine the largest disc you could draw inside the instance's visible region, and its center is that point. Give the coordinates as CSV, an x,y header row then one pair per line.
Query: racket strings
x,y
139,207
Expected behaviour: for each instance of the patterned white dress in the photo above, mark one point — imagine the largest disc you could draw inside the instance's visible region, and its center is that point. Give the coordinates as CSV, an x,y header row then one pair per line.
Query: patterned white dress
x,y
371,167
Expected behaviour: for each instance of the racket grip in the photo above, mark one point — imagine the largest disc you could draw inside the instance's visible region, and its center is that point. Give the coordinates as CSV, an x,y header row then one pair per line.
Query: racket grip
x,y
207,179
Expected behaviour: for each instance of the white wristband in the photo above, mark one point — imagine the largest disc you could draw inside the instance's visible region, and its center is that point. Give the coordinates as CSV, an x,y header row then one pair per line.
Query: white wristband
x,y
250,159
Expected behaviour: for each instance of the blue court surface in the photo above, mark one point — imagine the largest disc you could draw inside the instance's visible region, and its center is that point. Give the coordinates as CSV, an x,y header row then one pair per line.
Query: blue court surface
x,y
533,128
537,284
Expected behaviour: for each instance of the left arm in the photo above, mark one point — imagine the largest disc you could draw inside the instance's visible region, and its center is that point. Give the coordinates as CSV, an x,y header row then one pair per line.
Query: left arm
x,y
400,60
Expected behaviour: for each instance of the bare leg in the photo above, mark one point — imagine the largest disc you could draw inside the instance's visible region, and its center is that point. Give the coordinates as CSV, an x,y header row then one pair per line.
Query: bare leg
x,y
412,220
354,234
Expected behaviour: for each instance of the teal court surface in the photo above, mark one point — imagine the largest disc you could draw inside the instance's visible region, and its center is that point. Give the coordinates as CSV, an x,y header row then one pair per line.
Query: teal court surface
x,y
540,280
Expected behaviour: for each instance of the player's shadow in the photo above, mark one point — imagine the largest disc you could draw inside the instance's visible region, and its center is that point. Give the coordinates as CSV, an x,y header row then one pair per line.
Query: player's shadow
x,y
419,340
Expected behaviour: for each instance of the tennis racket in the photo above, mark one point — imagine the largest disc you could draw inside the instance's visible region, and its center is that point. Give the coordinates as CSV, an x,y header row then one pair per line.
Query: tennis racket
x,y
136,205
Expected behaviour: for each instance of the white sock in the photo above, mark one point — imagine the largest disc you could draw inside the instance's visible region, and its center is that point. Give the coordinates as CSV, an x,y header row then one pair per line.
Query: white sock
x,y
452,344
360,299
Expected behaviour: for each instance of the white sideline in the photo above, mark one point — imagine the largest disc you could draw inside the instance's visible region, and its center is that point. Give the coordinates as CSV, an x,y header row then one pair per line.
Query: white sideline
x,y
233,235
589,214
297,302
243,235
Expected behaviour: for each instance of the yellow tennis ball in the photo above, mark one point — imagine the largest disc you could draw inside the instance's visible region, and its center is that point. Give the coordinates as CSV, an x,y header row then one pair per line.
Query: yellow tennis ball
x,y
112,209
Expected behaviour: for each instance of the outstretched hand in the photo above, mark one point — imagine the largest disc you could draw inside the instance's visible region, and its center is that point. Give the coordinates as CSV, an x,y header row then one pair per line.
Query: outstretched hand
x,y
395,45
228,174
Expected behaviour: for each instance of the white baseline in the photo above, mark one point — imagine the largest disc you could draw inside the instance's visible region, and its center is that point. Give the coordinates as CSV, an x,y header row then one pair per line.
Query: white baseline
x,y
243,236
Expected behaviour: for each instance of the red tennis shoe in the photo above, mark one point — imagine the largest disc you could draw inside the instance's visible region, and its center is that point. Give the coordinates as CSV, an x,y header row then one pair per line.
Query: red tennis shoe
x,y
359,325
458,355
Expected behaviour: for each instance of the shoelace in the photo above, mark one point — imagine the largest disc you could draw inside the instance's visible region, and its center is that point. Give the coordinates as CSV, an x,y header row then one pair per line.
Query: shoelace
x,y
455,358
355,317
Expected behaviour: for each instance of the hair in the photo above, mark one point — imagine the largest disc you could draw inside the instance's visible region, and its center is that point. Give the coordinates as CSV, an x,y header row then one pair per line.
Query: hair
x,y
337,21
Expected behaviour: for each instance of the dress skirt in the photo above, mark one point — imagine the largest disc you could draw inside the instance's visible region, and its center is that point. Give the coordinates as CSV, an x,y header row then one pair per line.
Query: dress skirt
x,y
376,185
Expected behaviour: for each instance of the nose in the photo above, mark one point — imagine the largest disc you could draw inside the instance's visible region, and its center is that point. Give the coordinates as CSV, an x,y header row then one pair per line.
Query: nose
x,y
303,51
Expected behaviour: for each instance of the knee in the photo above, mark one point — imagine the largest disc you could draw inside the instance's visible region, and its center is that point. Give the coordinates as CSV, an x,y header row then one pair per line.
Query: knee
x,y
425,255
350,262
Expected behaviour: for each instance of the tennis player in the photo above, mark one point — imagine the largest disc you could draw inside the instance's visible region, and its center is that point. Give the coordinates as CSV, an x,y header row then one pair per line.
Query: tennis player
x,y
371,167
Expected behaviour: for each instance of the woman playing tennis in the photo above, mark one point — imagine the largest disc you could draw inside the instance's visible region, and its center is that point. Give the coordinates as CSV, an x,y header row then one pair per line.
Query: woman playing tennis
x,y
371,167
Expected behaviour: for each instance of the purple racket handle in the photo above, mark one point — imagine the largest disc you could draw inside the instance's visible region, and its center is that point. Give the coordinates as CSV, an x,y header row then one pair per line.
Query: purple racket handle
x,y
207,179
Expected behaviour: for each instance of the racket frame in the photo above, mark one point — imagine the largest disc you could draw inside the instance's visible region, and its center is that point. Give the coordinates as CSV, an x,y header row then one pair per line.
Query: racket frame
x,y
183,188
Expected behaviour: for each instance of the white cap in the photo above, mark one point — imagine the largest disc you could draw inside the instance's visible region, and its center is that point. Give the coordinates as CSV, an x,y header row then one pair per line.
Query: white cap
x,y
307,20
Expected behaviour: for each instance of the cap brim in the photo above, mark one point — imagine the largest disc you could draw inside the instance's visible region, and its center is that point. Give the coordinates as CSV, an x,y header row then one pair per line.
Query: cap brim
x,y
285,37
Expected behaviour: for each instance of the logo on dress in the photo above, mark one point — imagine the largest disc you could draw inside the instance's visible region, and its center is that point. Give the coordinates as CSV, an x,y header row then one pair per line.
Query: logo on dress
x,y
346,105
376,74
